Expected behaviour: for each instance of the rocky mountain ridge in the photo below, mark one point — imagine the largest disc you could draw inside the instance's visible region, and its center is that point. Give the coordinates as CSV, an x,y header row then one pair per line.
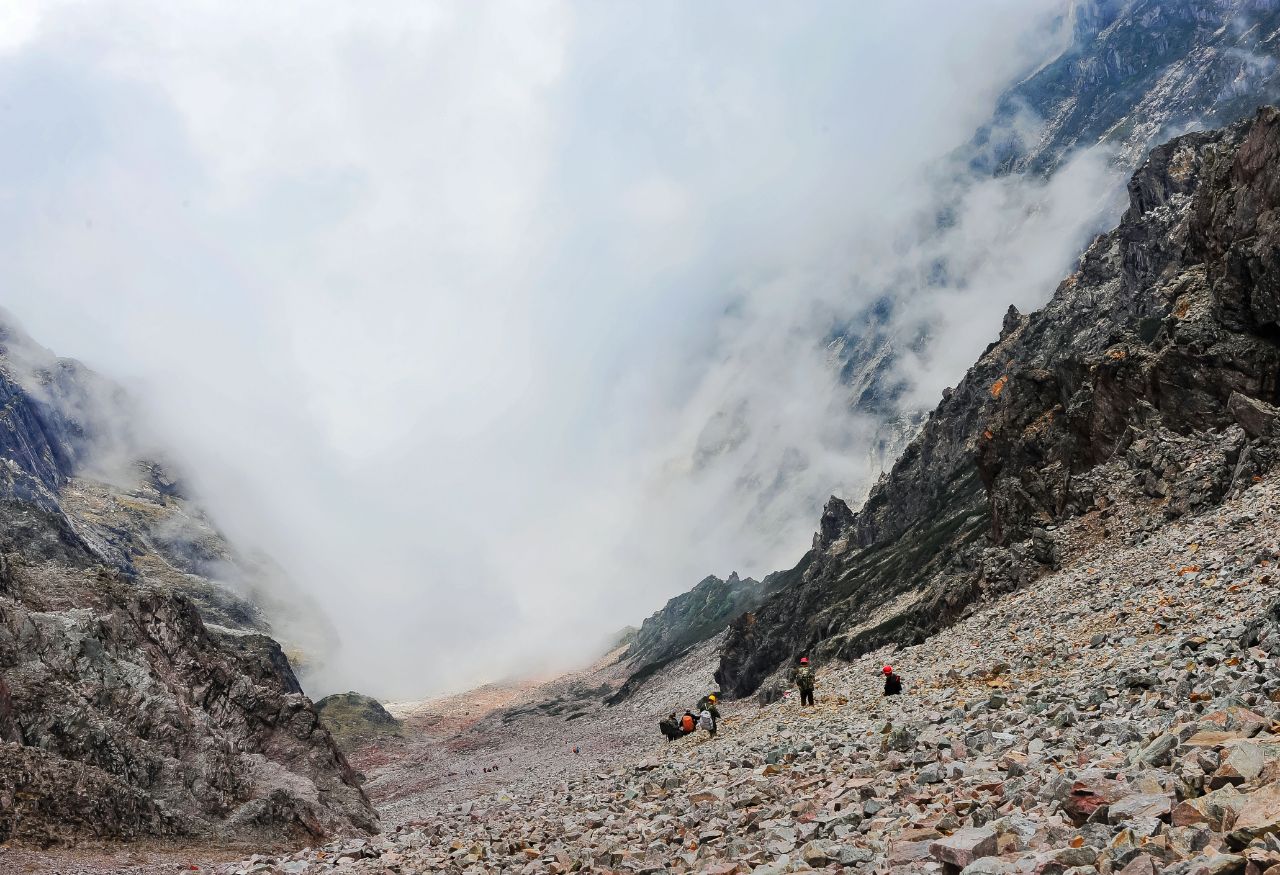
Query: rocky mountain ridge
x,y
139,696
1133,73
694,616
1165,334
1128,75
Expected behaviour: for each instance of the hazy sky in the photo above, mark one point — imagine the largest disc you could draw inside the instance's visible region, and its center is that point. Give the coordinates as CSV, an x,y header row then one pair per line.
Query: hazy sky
x,y
493,321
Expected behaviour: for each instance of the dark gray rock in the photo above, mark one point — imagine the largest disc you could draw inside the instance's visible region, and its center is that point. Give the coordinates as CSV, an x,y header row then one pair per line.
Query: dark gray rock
x,y
1257,418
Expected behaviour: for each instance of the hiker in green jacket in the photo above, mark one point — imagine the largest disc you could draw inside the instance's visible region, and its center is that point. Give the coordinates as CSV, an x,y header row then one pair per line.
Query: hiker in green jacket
x,y
803,676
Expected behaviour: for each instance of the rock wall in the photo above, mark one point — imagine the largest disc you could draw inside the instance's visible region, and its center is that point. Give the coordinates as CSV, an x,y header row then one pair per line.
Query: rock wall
x,y
182,730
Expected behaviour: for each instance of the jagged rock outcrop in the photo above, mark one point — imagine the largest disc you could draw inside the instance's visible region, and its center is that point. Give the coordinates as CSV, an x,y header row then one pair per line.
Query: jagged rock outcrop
x,y
138,697
189,730
836,519
1131,366
694,616
688,619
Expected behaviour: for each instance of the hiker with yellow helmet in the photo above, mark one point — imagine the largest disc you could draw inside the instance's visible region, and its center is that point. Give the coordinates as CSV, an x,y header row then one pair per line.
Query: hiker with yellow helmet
x,y
708,706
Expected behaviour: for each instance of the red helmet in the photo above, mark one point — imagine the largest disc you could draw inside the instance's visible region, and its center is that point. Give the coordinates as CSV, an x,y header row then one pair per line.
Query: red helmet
x,y
888,669
804,660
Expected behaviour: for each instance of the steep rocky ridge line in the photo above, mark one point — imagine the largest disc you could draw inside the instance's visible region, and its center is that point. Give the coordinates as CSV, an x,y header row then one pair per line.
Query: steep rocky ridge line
x,y
1130,74
138,697
686,620
1167,318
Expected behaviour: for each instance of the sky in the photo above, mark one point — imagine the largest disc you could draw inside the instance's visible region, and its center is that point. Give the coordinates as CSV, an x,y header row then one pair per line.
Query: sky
x,y
498,324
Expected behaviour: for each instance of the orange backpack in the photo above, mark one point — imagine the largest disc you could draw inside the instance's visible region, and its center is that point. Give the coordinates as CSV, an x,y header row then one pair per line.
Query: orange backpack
x,y
686,723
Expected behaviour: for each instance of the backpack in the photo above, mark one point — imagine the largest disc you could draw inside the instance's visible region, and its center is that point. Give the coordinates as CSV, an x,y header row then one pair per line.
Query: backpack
x,y
686,723
804,677
704,722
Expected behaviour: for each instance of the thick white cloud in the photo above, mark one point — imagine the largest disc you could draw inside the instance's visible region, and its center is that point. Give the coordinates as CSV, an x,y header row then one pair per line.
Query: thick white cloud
x,y
496,323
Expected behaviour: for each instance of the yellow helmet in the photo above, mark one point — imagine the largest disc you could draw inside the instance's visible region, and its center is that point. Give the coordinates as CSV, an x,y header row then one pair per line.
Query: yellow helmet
x,y
711,697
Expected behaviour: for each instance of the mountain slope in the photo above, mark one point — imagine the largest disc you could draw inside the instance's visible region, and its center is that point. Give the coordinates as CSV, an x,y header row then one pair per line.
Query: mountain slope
x,y
132,672
1136,72
1127,74
1165,334
1119,717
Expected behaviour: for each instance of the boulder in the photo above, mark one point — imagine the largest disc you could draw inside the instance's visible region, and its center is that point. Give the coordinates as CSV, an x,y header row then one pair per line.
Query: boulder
x,y
1139,805
964,846
1259,815
1257,418
1213,809
1089,794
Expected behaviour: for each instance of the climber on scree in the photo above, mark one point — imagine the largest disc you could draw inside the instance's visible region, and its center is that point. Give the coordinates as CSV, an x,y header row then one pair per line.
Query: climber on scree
x,y
804,681
892,683
708,704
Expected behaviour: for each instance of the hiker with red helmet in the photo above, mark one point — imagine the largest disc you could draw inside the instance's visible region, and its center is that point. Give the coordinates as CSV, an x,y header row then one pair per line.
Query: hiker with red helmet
x,y
803,677
892,683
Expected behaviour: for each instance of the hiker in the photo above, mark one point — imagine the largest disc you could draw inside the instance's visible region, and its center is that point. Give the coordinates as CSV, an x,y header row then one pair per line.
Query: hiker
x,y
708,705
670,726
804,681
892,683
687,723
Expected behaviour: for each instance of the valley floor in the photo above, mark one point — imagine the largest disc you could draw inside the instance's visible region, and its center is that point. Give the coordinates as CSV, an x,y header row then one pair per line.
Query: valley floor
x,y
1070,726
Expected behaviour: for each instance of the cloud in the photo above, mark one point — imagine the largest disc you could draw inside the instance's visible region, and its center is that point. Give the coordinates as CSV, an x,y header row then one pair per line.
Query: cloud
x,y
498,324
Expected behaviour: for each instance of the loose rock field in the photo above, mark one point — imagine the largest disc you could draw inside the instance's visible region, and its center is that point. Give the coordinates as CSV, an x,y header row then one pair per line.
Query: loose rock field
x,y
1117,715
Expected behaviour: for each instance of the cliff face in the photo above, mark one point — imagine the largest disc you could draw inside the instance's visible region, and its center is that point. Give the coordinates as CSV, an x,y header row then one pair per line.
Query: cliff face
x,y
138,695
1166,335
